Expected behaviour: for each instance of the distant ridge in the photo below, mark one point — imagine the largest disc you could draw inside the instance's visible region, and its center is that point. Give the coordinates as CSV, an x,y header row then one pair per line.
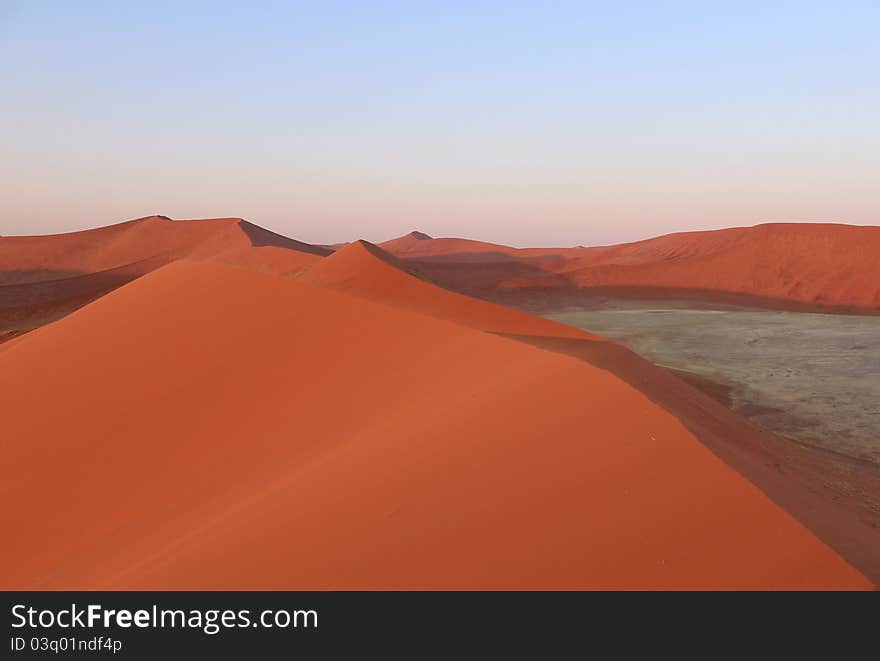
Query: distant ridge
x,y
43,278
806,266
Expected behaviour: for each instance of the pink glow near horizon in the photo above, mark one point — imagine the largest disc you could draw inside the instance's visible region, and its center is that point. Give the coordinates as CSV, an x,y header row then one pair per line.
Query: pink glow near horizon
x,y
524,126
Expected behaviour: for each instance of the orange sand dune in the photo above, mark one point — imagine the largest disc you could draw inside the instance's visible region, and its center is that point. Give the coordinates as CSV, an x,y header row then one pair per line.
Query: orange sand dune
x,y
811,263
213,427
34,258
363,269
807,264
418,245
42,278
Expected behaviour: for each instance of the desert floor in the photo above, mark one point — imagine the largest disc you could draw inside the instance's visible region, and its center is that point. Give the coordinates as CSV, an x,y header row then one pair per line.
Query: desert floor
x,y
810,377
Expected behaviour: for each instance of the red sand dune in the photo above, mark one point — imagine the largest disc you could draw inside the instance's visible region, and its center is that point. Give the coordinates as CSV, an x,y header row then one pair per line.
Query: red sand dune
x,y
214,427
363,269
811,265
418,245
33,258
42,278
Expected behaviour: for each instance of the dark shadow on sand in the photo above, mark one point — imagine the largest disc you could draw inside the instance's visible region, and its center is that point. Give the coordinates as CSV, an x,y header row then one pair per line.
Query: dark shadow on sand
x,y
835,496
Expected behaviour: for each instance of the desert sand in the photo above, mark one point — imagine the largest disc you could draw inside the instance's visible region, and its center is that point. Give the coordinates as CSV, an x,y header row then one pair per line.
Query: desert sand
x,y
248,418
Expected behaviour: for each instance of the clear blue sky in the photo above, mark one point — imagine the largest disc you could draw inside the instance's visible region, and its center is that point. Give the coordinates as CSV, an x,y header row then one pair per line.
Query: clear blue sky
x,y
531,123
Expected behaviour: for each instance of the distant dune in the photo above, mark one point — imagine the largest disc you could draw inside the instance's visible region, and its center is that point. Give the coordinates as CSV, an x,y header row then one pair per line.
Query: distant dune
x,y
253,414
363,269
782,265
45,277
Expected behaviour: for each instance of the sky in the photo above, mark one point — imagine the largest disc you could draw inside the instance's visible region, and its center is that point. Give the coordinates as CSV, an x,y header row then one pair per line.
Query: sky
x,y
527,123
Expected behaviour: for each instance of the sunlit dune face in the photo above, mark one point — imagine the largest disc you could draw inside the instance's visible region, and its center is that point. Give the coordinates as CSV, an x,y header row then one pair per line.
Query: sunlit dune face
x,y
279,425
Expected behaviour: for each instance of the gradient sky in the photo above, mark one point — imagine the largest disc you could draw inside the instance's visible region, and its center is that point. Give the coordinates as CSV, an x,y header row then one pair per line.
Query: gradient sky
x,y
527,123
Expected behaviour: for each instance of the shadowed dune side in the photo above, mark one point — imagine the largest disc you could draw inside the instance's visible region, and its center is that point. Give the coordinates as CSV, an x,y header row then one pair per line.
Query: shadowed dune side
x,y
31,304
365,270
816,486
810,266
8,336
483,280
549,295
25,276
261,238
483,462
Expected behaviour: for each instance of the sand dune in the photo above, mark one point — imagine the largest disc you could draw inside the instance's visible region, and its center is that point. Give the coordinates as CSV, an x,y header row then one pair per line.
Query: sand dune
x,y
420,245
42,278
35,258
240,410
800,265
363,269
216,427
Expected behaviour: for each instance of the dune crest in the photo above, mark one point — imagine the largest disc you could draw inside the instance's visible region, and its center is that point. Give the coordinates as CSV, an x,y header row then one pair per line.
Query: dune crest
x,y
365,270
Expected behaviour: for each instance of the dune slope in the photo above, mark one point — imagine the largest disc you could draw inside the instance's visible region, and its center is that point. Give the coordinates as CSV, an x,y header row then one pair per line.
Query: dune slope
x,y
214,427
37,258
367,271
